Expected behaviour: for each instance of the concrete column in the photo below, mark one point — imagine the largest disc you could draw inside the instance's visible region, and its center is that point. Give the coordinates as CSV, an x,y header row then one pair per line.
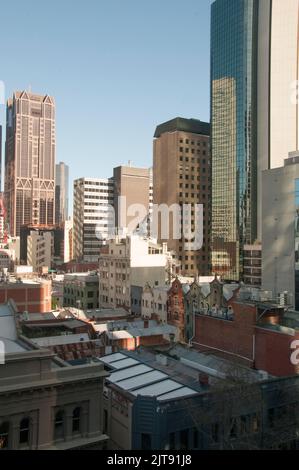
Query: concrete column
x,y
68,424
14,433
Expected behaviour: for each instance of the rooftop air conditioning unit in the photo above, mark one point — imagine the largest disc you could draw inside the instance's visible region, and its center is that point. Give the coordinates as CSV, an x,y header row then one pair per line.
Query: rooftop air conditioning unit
x,y
283,299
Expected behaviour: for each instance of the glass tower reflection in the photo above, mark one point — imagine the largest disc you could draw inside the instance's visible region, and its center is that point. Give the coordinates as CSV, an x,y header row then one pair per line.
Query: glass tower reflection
x,y
233,108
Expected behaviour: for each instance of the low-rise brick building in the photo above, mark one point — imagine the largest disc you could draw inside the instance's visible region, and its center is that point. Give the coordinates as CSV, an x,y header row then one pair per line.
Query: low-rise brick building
x,y
33,296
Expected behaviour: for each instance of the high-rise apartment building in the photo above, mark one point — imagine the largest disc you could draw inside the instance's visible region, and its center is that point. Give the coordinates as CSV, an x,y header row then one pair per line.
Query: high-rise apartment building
x,y
131,187
30,160
93,199
181,175
61,193
254,108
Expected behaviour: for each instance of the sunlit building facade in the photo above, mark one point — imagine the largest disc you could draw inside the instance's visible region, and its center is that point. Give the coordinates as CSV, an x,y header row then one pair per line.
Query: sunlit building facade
x,y
30,160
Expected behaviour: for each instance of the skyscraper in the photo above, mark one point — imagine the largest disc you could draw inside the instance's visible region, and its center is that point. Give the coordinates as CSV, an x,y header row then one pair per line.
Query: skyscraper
x,y
278,74
1,158
30,160
181,175
234,155
93,200
255,119
61,193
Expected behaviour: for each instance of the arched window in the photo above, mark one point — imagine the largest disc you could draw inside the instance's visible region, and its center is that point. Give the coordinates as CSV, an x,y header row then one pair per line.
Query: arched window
x,y
77,420
4,432
24,431
59,425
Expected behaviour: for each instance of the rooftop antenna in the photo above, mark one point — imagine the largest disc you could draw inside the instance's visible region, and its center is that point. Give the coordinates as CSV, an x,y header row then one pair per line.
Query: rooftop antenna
x,y
29,88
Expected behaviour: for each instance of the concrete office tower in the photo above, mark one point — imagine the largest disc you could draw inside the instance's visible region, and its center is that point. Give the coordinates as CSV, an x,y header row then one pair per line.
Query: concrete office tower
x,y
61,193
278,74
280,211
30,160
93,199
181,175
132,185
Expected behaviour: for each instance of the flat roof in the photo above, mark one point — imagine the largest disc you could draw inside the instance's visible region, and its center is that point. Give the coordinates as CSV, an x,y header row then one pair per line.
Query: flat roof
x,y
62,339
195,126
11,346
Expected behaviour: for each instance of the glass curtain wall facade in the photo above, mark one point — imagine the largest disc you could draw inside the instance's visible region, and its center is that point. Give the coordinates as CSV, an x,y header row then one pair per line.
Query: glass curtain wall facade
x,y
234,29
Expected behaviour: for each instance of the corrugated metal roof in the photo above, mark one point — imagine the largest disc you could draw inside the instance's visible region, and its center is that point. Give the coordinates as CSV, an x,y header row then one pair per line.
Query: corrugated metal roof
x,y
113,358
180,392
138,378
128,373
124,363
144,379
158,388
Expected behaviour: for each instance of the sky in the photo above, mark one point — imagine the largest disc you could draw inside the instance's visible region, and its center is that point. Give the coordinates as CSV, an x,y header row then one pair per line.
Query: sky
x,y
116,68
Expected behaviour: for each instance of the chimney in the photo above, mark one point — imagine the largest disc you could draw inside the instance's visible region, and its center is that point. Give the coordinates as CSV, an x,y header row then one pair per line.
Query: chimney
x,y
146,324
203,379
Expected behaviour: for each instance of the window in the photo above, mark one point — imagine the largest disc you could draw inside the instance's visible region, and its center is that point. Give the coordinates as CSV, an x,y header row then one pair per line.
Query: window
x,y
195,438
172,441
77,420
146,441
184,439
90,294
4,432
59,425
215,432
24,431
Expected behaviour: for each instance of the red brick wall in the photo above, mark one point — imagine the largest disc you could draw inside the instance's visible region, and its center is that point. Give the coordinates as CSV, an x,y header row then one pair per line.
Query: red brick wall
x,y
31,299
233,337
273,352
176,308
151,340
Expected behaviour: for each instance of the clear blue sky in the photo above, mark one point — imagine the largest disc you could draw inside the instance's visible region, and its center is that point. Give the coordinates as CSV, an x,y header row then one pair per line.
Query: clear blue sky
x,y
116,68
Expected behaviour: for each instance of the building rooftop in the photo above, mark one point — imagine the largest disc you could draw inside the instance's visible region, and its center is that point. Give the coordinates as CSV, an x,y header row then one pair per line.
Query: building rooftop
x,y
99,315
92,276
136,378
137,329
59,340
10,346
185,125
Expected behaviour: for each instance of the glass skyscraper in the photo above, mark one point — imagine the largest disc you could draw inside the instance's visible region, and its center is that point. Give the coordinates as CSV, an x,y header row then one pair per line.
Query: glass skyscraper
x,y
234,31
